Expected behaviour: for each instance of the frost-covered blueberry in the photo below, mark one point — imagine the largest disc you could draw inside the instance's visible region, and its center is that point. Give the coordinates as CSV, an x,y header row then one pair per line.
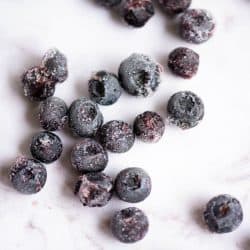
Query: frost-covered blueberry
x,y
116,136
197,25
129,225
185,109
89,156
46,147
28,176
138,12
104,88
223,214
133,185
173,7
149,126
183,62
38,84
85,118
109,3
53,114
139,75
55,64
94,189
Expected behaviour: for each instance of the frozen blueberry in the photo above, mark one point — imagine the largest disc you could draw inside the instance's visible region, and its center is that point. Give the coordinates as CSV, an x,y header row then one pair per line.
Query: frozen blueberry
x,y
173,7
133,185
137,12
185,109
55,64
149,126
197,25
117,136
223,214
104,88
85,118
129,225
94,189
183,62
139,75
53,114
46,147
109,3
28,176
38,85
89,156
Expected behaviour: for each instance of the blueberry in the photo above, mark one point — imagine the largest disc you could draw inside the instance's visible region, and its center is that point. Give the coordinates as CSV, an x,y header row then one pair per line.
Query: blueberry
x,y
55,64
129,225
139,75
38,84
94,189
109,3
53,114
183,62
185,109
116,136
223,214
138,12
28,176
46,147
89,156
85,118
173,7
197,25
149,126
133,185
104,88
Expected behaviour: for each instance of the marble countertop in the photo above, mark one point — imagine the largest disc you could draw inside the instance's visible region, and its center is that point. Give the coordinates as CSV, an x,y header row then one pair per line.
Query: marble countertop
x,y
187,167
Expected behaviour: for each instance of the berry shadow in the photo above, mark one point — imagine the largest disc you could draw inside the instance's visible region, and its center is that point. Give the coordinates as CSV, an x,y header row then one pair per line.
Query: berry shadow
x,y
4,174
245,245
197,216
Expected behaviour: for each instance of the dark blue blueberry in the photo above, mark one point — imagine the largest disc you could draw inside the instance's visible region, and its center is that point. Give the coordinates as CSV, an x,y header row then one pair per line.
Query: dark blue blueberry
x,y
109,3
139,75
104,88
138,12
89,156
149,126
117,136
133,185
46,147
185,109
53,114
85,118
223,214
183,62
28,176
173,7
129,225
55,64
94,189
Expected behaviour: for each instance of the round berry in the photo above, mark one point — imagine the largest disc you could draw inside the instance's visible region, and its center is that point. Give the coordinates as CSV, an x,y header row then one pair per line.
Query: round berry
x,y
46,147
149,126
133,185
117,136
89,156
129,225
223,214
185,109
85,118
173,7
104,88
38,84
109,3
183,62
139,75
94,189
28,176
137,12
197,25
55,64
53,114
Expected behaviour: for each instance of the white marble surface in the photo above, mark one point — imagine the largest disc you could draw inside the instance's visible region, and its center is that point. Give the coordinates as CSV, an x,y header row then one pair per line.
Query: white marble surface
x,y
187,167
